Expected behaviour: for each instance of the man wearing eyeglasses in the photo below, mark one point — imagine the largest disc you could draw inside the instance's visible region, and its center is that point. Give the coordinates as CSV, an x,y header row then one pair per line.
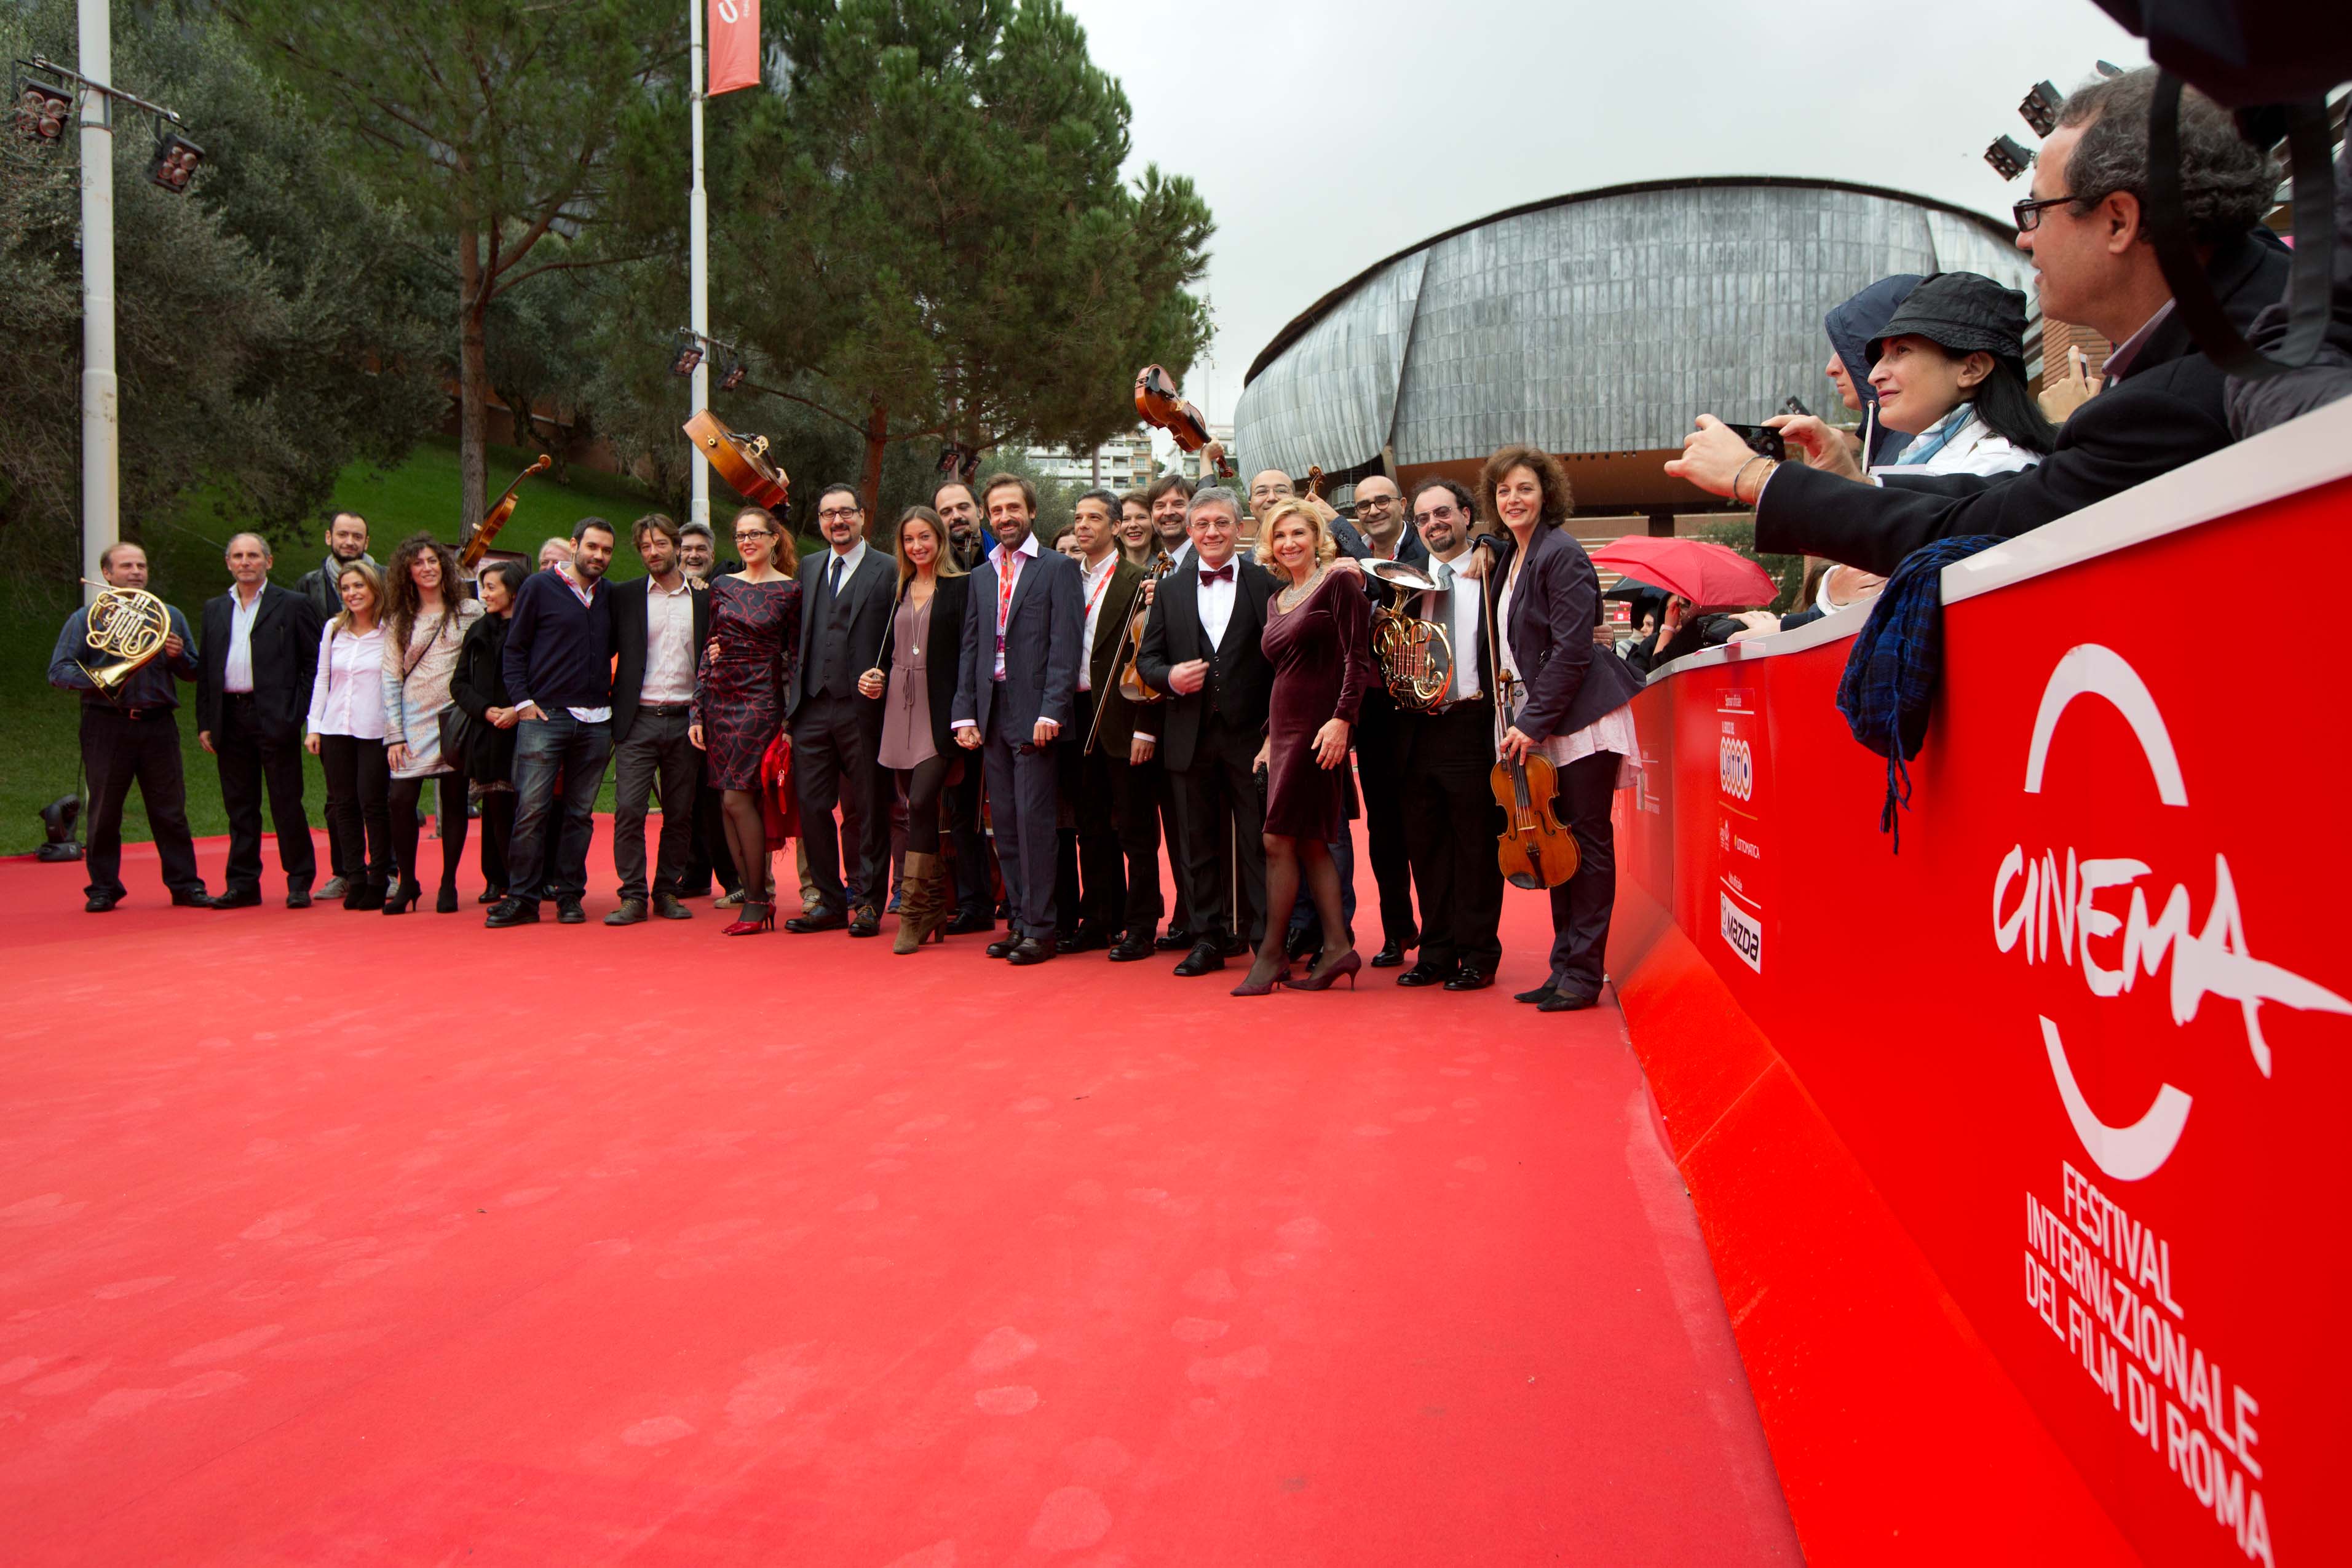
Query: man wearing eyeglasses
x,y
836,733
2086,227
1381,521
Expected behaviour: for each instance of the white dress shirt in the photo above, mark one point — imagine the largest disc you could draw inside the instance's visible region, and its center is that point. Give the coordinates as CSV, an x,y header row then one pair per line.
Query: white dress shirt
x,y
850,560
669,643
1613,732
1217,598
1456,605
1094,581
236,666
347,693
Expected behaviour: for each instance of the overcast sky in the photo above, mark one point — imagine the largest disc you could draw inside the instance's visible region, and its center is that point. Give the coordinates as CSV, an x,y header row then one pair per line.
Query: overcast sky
x,y
1327,134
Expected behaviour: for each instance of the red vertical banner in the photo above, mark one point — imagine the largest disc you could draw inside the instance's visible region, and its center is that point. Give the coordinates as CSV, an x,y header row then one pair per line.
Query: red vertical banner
x,y
734,45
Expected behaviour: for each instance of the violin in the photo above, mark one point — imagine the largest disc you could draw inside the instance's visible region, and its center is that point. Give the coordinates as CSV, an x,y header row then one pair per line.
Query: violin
x,y
1535,850
1129,680
477,543
1157,400
740,461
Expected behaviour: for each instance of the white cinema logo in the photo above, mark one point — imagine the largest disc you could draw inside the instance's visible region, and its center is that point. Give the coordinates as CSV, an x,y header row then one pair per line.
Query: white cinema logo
x,y
2214,960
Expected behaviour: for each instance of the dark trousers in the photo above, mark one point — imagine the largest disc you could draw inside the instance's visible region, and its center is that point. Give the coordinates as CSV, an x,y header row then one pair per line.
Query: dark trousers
x,y
1450,822
706,852
1024,797
975,883
545,852
251,763
1115,855
836,746
1222,809
359,806
1581,906
1304,921
1378,739
117,750
497,807
656,746
1171,830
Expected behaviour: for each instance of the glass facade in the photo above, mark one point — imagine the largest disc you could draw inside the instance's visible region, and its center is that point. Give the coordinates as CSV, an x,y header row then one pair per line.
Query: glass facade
x,y
1601,323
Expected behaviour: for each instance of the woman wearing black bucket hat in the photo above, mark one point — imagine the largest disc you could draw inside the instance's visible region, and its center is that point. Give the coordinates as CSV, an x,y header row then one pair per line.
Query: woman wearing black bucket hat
x,y
1948,368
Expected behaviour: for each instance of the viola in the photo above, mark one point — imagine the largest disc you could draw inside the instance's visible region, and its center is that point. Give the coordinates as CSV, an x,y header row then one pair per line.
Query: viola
x,y
1129,680
477,543
1157,400
741,460
1535,850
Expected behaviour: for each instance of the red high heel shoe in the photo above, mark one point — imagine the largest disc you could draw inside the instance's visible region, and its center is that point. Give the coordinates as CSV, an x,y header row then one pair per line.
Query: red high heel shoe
x,y
1321,976
749,924
1281,976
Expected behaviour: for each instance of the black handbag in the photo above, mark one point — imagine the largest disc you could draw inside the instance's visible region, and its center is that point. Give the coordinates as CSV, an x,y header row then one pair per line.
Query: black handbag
x,y
458,734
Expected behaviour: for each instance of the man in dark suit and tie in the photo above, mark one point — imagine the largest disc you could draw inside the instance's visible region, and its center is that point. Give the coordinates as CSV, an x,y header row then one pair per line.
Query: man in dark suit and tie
x,y
1444,760
1201,647
260,651
846,598
1014,702
659,624
1113,856
1386,535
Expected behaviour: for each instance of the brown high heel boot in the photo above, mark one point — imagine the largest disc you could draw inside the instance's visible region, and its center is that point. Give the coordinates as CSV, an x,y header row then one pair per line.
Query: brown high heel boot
x,y
917,902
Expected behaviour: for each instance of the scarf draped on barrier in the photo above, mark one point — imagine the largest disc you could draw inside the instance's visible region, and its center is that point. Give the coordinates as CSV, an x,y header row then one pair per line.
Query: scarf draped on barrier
x,y
1897,663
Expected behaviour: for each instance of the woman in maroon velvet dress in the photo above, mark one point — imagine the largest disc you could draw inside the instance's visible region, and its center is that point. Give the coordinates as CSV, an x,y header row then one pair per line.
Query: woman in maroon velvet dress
x,y
739,695
1318,639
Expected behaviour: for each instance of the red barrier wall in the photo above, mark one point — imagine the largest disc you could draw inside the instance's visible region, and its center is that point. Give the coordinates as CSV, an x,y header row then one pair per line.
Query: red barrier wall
x,y
2017,1150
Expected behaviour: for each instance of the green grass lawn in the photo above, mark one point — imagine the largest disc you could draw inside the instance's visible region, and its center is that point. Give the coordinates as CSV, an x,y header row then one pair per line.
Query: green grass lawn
x,y
42,755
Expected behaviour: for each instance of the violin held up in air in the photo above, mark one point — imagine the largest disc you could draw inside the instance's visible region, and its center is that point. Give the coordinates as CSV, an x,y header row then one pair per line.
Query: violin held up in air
x,y
1157,400
477,543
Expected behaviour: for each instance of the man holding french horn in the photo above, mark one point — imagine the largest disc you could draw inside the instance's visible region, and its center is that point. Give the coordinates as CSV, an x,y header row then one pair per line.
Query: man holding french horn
x,y
126,653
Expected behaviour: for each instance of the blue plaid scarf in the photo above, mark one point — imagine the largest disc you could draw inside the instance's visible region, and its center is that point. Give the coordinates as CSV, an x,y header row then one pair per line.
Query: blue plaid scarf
x,y
1897,663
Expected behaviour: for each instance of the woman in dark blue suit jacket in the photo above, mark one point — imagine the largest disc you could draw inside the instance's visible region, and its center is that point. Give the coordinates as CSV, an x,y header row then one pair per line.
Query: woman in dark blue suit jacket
x,y
1572,702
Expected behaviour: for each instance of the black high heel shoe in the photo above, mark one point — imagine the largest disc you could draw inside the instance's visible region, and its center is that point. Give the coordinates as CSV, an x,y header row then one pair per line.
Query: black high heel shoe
x,y
402,899
446,904
1321,976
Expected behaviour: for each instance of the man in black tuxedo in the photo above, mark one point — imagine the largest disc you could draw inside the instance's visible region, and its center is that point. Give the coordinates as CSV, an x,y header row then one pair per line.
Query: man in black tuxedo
x,y
847,595
1201,647
2085,227
659,624
260,650
1444,760
1014,686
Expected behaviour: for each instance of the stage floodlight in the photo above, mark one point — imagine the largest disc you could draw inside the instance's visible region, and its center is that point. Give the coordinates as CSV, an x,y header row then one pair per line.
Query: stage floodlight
x,y
42,111
58,819
2040,108
685,354
2008,159
730,368
174,164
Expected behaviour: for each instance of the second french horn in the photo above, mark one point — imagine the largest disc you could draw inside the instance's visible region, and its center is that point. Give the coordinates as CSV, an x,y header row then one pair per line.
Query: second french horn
x,y
1415,656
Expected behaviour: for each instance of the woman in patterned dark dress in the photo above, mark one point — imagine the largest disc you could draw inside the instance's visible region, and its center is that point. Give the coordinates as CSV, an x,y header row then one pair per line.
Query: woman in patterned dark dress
x,y
1318,639
739,695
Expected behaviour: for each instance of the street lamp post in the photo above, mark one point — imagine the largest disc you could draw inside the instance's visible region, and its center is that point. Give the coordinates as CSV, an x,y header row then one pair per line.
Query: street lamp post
x,y
101,430
697,213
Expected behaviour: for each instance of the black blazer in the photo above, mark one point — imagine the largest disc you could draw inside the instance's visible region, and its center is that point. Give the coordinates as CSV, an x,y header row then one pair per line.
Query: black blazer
x,y
2164,412
629,646
1240,679
870,592
1554,607
285,648
949,600
477,685
1122,720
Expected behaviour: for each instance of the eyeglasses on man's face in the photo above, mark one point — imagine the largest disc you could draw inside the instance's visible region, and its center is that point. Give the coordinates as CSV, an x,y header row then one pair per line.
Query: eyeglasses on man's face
x,y
2028,215
836,513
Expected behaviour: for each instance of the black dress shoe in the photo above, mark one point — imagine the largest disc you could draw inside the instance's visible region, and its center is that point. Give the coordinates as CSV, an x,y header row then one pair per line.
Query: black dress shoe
x,y
569,912
1208,953
490,895
199,899
99,903
1426,974
630,913
1470,978
823,919
1541,993
1030,950
513,912
1002,947
1390,956
865,920
299,900
971,921
1304,942
1134,945
667,907
1235,947
1176,939
238,898
1088,937
1566,1001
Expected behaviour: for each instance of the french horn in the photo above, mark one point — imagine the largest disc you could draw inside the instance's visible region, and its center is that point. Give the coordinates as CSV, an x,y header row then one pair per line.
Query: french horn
x,y
131,625
1415,656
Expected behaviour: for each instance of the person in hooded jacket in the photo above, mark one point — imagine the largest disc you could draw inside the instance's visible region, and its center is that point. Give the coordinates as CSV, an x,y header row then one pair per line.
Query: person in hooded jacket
x,y
1851,326
2257,405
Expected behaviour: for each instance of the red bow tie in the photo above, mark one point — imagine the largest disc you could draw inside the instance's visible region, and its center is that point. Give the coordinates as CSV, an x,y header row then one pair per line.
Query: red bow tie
x,y
1221,575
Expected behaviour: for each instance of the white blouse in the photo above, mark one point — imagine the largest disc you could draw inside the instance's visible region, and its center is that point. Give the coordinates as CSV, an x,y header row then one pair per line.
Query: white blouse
x,y
1613,732
347,694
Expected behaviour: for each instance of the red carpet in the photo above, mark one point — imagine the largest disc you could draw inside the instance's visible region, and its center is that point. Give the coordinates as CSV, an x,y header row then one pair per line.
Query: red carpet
x,y
326,1238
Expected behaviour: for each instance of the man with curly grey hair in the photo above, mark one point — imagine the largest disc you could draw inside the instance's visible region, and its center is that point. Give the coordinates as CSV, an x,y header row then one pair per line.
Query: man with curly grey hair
x,y
2085,225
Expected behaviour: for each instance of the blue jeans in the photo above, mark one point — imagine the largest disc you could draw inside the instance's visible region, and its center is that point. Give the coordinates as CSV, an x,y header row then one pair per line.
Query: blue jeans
x,y
556,748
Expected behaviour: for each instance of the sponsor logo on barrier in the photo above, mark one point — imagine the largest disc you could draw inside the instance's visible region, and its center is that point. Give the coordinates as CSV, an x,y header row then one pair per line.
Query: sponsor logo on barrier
x,y
1735,768
2034,901
1743,933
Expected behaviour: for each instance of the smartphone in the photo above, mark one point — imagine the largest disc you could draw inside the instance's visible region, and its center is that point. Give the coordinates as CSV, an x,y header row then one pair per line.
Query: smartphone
x,y
1761,440
1791,405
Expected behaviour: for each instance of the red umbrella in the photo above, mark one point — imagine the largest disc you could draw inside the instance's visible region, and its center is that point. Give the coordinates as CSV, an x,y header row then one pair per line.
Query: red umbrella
x,y
1710,576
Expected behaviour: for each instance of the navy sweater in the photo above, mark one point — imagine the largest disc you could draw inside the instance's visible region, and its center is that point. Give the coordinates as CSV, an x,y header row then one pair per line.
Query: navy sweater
x,y
559,650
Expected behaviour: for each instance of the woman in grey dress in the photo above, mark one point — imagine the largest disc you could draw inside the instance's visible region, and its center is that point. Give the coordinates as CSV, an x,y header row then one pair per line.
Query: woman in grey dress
x,y
425,619
915,676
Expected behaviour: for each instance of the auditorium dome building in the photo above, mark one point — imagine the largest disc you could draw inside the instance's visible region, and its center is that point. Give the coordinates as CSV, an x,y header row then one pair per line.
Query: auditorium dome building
x,y
1595,325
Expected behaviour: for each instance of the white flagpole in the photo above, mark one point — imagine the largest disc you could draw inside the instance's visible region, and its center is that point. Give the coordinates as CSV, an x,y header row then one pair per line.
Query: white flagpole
x,y
698,263
101,475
